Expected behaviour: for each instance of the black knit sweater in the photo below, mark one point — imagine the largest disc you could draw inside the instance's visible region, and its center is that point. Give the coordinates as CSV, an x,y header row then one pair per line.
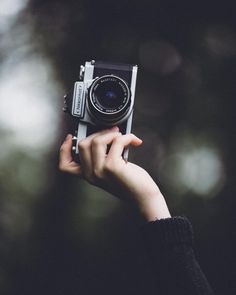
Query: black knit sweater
x,y
169,244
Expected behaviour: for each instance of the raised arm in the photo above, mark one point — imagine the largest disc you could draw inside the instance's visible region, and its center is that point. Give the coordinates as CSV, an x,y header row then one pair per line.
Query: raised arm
x,y
168,240
109,171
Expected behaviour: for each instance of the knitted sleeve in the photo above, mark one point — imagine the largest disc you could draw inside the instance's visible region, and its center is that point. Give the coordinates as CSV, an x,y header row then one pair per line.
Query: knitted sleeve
x,y
169,243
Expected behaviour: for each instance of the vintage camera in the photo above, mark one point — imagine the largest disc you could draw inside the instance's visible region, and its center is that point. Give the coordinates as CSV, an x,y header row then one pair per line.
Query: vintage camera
x,y
103,97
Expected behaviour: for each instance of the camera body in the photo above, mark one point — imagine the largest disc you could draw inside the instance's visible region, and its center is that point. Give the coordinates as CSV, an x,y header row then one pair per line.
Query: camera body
x,y
103,97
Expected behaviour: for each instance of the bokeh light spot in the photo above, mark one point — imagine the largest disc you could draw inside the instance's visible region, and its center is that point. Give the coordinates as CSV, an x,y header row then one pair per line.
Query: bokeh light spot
x,y
25,102
220,41
194,166
201,170
9,9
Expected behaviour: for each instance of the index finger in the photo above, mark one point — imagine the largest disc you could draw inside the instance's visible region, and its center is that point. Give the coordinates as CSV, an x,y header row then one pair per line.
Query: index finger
x,y
120,143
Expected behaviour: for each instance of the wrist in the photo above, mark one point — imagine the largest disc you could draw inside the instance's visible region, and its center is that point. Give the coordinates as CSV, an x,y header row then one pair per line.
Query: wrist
x,y
154,208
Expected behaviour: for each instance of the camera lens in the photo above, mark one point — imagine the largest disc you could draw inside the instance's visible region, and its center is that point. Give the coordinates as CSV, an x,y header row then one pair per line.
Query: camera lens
x,y
109,98
109,95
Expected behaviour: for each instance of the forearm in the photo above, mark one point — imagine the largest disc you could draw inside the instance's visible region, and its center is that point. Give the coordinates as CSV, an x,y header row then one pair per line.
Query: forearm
x,y
169,246
153,208
168,240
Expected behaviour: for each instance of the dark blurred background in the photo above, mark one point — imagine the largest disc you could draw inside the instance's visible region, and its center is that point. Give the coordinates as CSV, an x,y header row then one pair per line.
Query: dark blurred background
x,y
59,235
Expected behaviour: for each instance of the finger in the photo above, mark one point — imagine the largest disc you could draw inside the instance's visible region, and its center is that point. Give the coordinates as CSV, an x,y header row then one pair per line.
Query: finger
x,y
85,157
65,150
99,148
101,132
72,168
85,151
66,162
119,143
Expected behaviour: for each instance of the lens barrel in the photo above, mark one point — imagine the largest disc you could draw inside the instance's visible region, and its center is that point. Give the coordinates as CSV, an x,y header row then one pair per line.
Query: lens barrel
x,y
109,99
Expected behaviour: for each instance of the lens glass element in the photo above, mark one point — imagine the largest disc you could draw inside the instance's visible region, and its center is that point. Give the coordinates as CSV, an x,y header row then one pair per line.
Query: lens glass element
x,y
109,94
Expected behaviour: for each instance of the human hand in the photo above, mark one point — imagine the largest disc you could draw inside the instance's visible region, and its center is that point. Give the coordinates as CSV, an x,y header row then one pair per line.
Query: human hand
x,y
112,173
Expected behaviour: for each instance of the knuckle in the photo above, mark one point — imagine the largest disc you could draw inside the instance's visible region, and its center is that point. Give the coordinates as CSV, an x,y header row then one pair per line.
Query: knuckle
x,y
61,167
109,166
82,144
117,139
96,141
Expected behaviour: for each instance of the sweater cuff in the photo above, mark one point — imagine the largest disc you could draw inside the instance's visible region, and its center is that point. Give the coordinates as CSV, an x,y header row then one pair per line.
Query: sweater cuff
x,y
168,232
